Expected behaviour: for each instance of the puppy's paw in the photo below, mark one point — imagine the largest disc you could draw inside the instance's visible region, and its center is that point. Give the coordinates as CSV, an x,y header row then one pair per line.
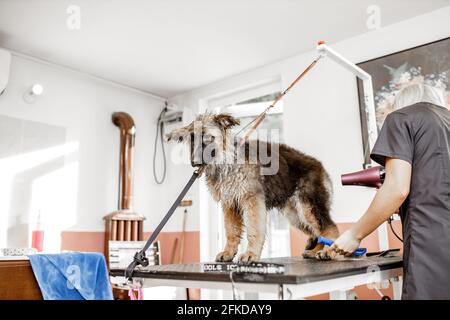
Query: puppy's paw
x,y
309,254
325,254
225,256
248,257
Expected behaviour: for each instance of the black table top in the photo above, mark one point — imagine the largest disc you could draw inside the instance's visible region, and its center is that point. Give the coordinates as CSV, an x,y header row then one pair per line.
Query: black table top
x,y
297,270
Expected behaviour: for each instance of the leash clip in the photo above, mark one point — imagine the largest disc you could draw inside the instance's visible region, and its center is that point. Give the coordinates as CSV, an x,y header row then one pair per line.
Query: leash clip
x,y
138,259
141,259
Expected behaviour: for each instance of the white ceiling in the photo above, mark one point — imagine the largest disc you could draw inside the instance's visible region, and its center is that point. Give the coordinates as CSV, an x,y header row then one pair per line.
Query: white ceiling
x,y
167,47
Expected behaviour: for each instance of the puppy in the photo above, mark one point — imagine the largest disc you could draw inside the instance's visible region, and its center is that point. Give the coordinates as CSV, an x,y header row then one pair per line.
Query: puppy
x,y
247,186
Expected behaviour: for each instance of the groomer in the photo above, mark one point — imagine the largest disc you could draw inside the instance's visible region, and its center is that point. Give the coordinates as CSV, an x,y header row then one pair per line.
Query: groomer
x,y
414,146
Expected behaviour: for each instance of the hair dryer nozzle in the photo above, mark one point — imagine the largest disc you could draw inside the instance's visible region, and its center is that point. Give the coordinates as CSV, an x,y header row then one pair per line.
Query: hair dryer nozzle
x,y
372,177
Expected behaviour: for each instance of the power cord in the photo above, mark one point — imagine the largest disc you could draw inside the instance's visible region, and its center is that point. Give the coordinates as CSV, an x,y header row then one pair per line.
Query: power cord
x,y
392,228
160,132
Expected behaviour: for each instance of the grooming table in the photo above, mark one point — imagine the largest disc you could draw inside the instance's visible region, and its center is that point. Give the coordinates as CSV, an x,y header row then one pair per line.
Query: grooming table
x,y
302,277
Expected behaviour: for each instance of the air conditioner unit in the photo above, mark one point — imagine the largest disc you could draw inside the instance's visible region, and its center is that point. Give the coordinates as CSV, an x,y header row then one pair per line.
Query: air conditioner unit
x,y
172,116
5,63
175,114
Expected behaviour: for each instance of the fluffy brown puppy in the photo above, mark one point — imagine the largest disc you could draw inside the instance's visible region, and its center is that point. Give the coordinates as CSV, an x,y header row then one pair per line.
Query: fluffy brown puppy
x,y
252,179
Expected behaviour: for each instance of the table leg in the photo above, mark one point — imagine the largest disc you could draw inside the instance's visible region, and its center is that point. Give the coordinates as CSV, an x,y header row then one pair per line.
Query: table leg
x,y
280,292
397,287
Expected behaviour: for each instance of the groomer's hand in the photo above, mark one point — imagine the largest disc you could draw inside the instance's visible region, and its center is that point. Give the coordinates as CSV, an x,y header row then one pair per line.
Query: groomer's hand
x,y
346,244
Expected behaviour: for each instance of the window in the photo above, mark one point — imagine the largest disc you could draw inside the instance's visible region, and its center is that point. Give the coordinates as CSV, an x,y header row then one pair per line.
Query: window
x,y
244,105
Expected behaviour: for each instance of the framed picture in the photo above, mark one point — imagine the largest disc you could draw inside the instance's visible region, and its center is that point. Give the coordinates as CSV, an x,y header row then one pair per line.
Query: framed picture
x,y
428,64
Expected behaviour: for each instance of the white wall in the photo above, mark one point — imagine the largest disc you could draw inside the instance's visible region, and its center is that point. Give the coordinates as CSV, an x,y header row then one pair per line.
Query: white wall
x,y
73,186
321,114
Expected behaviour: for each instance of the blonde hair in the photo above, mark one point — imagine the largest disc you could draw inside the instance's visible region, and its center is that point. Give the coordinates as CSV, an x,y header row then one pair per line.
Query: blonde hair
x,y
417,92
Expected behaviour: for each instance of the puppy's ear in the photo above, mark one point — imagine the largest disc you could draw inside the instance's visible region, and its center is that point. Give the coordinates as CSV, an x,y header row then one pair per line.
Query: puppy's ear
x,y
226,121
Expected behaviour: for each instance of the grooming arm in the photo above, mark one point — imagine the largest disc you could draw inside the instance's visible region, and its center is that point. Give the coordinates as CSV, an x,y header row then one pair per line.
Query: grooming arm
x,y
369,104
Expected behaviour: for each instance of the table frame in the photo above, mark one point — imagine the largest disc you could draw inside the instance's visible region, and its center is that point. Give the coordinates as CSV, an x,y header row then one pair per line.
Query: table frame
x,y
339,287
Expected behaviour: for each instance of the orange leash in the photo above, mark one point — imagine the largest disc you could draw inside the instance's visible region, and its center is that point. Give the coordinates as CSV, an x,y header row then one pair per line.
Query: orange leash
x,y
257,121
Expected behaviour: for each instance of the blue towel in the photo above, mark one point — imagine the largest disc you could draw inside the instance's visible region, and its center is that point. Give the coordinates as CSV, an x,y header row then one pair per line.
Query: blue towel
x,y
72,276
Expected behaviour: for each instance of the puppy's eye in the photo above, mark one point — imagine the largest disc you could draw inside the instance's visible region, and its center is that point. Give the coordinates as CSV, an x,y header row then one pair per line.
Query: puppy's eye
x,y
180,139
207,138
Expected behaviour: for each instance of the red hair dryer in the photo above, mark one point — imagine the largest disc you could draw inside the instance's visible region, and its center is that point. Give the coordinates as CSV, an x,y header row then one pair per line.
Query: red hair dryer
x,y
372,177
